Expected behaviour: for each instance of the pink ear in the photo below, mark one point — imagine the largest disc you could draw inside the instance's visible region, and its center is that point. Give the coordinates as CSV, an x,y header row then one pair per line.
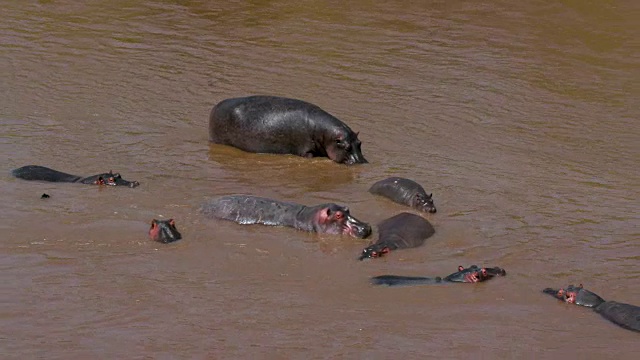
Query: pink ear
x,y
460,268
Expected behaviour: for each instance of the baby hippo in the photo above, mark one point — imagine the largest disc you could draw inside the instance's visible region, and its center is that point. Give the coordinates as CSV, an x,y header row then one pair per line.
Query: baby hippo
x,y
41,173
624,315
406,192
472,274
402,231
327,218
164,231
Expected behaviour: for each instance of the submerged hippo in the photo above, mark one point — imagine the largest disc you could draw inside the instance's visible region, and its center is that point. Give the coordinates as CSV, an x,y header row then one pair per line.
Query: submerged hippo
x,y
472,274
402,231
164,231
624,315
277,125
406,192
325,218
35,172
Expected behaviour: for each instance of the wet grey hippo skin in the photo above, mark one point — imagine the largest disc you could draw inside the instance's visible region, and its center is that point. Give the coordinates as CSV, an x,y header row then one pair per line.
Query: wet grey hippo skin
x,y
41,173
277,125
164,231
402,231
406,192
327,218
624,315
472,274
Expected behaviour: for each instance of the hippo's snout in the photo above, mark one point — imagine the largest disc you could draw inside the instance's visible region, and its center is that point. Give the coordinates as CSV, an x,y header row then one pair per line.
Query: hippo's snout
x,y
357,228
355,158
552,292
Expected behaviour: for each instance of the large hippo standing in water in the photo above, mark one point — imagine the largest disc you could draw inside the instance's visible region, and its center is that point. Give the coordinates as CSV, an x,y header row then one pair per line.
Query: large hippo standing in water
x,y
402,231
624,315
277,125
472,274
406,192
41,173
327,218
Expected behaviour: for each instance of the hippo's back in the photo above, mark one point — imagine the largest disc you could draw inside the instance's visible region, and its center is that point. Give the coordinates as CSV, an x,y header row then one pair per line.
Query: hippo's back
x,y
398,189
625,315
405,230
247,209
263,119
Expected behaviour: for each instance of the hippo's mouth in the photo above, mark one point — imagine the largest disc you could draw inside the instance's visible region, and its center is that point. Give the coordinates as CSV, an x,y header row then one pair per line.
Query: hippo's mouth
x,y
353,159
356,228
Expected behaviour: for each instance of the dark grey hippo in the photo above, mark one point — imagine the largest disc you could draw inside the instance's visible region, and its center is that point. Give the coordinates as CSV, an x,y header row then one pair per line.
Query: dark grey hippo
x,y
327,218
41,173
624,315
277,125
472,274
164,231
406,192
402,231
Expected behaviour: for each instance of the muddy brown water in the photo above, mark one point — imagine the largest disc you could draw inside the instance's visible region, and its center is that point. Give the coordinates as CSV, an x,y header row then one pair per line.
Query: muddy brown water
x,y
521,117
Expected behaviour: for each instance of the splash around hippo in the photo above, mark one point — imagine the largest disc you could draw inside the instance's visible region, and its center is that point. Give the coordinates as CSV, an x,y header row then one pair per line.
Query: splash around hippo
x,y
41,173
278,125
327,218
623,315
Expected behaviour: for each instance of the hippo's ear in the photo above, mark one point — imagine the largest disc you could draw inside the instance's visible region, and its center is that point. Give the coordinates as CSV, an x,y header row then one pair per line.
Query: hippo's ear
x,y
154,223
110,172
172,222
430,196
460,267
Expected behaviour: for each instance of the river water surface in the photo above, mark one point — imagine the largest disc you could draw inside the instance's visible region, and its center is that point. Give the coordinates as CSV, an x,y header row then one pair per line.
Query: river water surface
x,y
521,117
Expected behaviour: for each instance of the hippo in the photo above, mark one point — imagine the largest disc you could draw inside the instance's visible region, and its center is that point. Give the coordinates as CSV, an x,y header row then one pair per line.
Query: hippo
x,y
164,231
406,192
278,125
35,172
401,231
326,218
472,274
624,315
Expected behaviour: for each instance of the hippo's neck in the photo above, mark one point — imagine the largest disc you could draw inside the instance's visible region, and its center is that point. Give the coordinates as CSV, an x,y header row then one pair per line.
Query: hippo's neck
x,y
90,179
303,218
587,298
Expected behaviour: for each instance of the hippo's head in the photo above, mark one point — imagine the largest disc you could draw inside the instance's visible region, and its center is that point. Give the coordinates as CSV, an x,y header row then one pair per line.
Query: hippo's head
x,y
344,148
112,179
336,219
474,274
374,251
164,231
575,295
424,203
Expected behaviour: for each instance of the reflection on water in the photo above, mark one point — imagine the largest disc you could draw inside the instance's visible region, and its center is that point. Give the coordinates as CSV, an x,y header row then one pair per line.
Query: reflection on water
x,y
520,118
